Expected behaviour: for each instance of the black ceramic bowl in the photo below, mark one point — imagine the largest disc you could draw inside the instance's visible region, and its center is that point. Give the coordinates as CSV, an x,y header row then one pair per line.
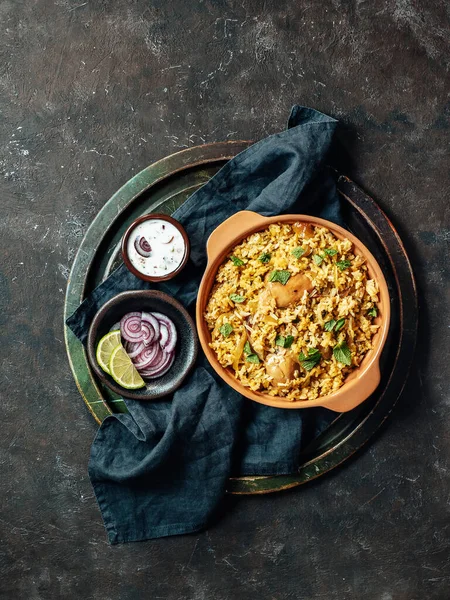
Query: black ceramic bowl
x,y
146,300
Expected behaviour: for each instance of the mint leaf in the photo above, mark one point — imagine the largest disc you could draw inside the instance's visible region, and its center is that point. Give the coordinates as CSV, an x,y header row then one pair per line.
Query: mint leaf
x,y
252,358
317,259
342,353
236,298
298,252
249,355
289,341
284,342
339,325
329,325
310,361
343,264
330,251
372,312
280,276
237,261
226,329
336,325
265,257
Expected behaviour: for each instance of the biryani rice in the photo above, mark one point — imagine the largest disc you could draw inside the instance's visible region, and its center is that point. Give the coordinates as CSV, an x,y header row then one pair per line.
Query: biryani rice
x,y
335,292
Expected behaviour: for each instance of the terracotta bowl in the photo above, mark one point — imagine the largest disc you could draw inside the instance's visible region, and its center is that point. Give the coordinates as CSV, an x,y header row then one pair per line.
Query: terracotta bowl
x,y
152,217
147,300
363,381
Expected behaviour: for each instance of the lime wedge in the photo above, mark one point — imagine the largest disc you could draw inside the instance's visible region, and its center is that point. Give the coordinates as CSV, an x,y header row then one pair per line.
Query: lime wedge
x,y
105,347
123,371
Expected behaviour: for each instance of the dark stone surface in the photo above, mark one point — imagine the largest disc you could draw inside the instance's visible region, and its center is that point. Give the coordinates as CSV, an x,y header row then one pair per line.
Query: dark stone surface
x,y
90,93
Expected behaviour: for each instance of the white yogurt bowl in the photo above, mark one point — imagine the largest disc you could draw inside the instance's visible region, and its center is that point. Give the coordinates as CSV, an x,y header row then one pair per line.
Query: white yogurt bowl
x,y
155,247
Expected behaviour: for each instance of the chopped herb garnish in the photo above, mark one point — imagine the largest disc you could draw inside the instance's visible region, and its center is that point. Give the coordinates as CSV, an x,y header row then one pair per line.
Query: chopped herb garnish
x,y
289,341
372,312
284,342
237,298
265,257
237,261
343,264
329,325
226,329
336,325
310,361
330,251
317,259
298,252
342,353
339,325
249,355
280,276
252,358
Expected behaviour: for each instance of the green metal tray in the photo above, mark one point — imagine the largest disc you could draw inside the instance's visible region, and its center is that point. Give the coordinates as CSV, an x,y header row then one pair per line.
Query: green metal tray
x,y
163,187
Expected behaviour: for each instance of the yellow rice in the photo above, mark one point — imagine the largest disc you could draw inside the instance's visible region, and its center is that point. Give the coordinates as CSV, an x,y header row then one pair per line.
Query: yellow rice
x,y
338,294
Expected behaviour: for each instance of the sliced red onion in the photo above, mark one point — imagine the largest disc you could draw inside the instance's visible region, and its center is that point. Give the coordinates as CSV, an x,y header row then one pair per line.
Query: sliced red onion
x,y
153,322
156,361
157,366
148,332
163,334
150,340
153,373
168,357
169,345
133,349
142,247
148,357
130,327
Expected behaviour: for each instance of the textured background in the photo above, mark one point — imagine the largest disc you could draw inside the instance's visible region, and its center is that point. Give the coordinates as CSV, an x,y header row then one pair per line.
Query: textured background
x,y
90,93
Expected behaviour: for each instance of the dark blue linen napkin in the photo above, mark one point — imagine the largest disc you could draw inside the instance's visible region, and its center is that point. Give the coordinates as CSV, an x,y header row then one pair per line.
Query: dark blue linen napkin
x,y
162,469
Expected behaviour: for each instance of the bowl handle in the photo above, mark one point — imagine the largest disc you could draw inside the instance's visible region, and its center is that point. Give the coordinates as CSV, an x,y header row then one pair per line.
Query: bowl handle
x,y
230,228
366,385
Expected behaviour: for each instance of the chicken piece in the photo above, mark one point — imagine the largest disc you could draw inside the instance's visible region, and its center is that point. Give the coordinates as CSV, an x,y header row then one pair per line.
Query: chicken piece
x,y
305,229
292,292
281,366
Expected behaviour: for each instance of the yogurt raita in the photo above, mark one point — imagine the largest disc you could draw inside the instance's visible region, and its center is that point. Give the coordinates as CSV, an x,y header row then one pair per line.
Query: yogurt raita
x,y
156,248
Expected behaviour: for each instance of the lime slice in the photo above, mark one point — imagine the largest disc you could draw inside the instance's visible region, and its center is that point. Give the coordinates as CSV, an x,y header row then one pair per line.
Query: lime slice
x,y
105,347
123,371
